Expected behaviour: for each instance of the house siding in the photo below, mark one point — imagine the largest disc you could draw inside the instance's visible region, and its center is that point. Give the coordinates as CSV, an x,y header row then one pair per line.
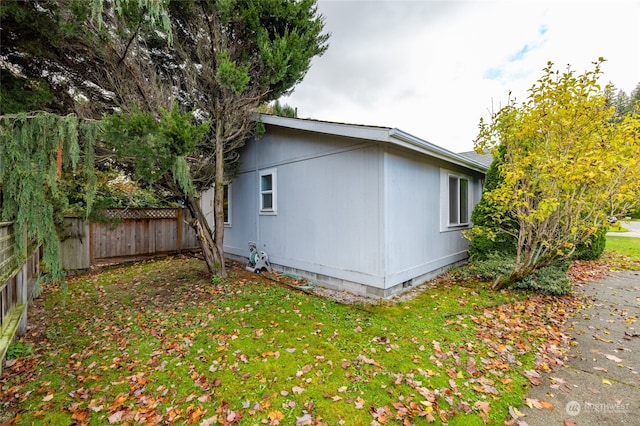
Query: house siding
x,y
355,214
415,246
328,194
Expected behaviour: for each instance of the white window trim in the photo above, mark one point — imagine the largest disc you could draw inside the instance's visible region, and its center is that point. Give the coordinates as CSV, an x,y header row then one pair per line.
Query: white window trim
x,y
228,222
274,192
458,224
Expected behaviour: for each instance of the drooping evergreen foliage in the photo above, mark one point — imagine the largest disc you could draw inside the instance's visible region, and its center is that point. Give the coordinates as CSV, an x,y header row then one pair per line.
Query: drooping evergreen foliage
x,y
151,149
31,148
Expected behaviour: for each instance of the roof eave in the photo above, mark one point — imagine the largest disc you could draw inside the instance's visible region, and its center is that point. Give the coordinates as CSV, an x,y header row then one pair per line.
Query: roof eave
x,y
380,134
327,127
409,141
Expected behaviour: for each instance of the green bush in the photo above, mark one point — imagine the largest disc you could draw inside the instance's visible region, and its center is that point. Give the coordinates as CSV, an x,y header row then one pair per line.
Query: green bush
x,y
487,269
487,238
483,246
593,248
551,279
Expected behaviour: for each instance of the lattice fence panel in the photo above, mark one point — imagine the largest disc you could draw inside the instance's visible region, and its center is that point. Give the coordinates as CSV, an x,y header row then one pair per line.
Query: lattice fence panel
x,y
142,213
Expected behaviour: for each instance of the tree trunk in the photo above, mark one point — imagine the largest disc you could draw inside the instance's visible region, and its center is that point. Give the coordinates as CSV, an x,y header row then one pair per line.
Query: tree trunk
x,y
212,242
218,196
212,254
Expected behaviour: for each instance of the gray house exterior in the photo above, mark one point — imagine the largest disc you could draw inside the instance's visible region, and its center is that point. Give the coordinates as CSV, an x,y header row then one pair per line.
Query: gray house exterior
x,y
371,210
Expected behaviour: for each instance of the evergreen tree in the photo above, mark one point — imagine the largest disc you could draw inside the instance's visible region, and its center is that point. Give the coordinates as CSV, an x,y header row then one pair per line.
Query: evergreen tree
x,y
217,60
47,57
487,237
236,55
34,150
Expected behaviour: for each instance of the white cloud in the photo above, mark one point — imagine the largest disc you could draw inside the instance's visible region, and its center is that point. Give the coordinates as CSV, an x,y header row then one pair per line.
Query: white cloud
x,y
433,68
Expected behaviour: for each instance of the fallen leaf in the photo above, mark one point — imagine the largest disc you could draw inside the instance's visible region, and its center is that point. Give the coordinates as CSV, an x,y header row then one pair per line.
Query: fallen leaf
x,y
471,367
533,376
306,419
515,413
613,358
533,403
275,415
210,421
602,339
232,416
606,382
546,405
484,409
116,417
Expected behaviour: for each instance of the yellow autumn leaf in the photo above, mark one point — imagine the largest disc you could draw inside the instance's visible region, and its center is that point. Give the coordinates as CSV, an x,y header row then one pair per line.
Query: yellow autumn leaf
x,y
276,415
518,412
606,382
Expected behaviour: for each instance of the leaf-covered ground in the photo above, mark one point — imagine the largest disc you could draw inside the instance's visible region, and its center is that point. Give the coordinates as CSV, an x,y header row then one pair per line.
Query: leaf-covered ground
x,y
158,343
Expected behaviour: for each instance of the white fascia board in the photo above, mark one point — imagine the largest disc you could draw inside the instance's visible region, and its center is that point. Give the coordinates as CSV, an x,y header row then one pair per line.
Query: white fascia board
x,y
400,138
380,134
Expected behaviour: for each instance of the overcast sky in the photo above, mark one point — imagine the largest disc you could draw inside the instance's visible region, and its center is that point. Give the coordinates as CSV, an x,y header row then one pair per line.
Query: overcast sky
x,y
433,68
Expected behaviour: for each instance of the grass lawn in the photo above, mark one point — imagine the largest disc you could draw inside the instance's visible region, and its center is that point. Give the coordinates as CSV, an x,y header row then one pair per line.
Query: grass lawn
x,y
626,250
158,343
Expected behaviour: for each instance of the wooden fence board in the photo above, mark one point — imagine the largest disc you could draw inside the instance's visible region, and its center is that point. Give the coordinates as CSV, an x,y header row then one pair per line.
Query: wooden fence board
x,y
16,283
74,244
137,234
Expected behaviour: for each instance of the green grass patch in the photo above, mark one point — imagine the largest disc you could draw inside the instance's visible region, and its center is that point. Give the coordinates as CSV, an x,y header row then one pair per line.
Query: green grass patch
x,y
623,252
627,246
159,343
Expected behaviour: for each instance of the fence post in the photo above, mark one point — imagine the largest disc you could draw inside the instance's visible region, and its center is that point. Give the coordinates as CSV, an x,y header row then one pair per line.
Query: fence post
x,y
92,259
179,230
22,285
22,281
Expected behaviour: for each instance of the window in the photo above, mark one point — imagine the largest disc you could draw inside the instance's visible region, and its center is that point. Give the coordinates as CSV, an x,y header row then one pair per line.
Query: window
x,y
458,201
226,205
268,193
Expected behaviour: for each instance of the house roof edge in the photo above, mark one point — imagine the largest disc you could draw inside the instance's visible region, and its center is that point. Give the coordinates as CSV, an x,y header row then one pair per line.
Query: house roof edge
x,y
328,127
382,134
436,151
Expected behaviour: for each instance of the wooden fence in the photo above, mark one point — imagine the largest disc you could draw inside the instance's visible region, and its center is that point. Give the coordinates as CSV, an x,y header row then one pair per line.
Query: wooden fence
x,y
132,235
18,273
